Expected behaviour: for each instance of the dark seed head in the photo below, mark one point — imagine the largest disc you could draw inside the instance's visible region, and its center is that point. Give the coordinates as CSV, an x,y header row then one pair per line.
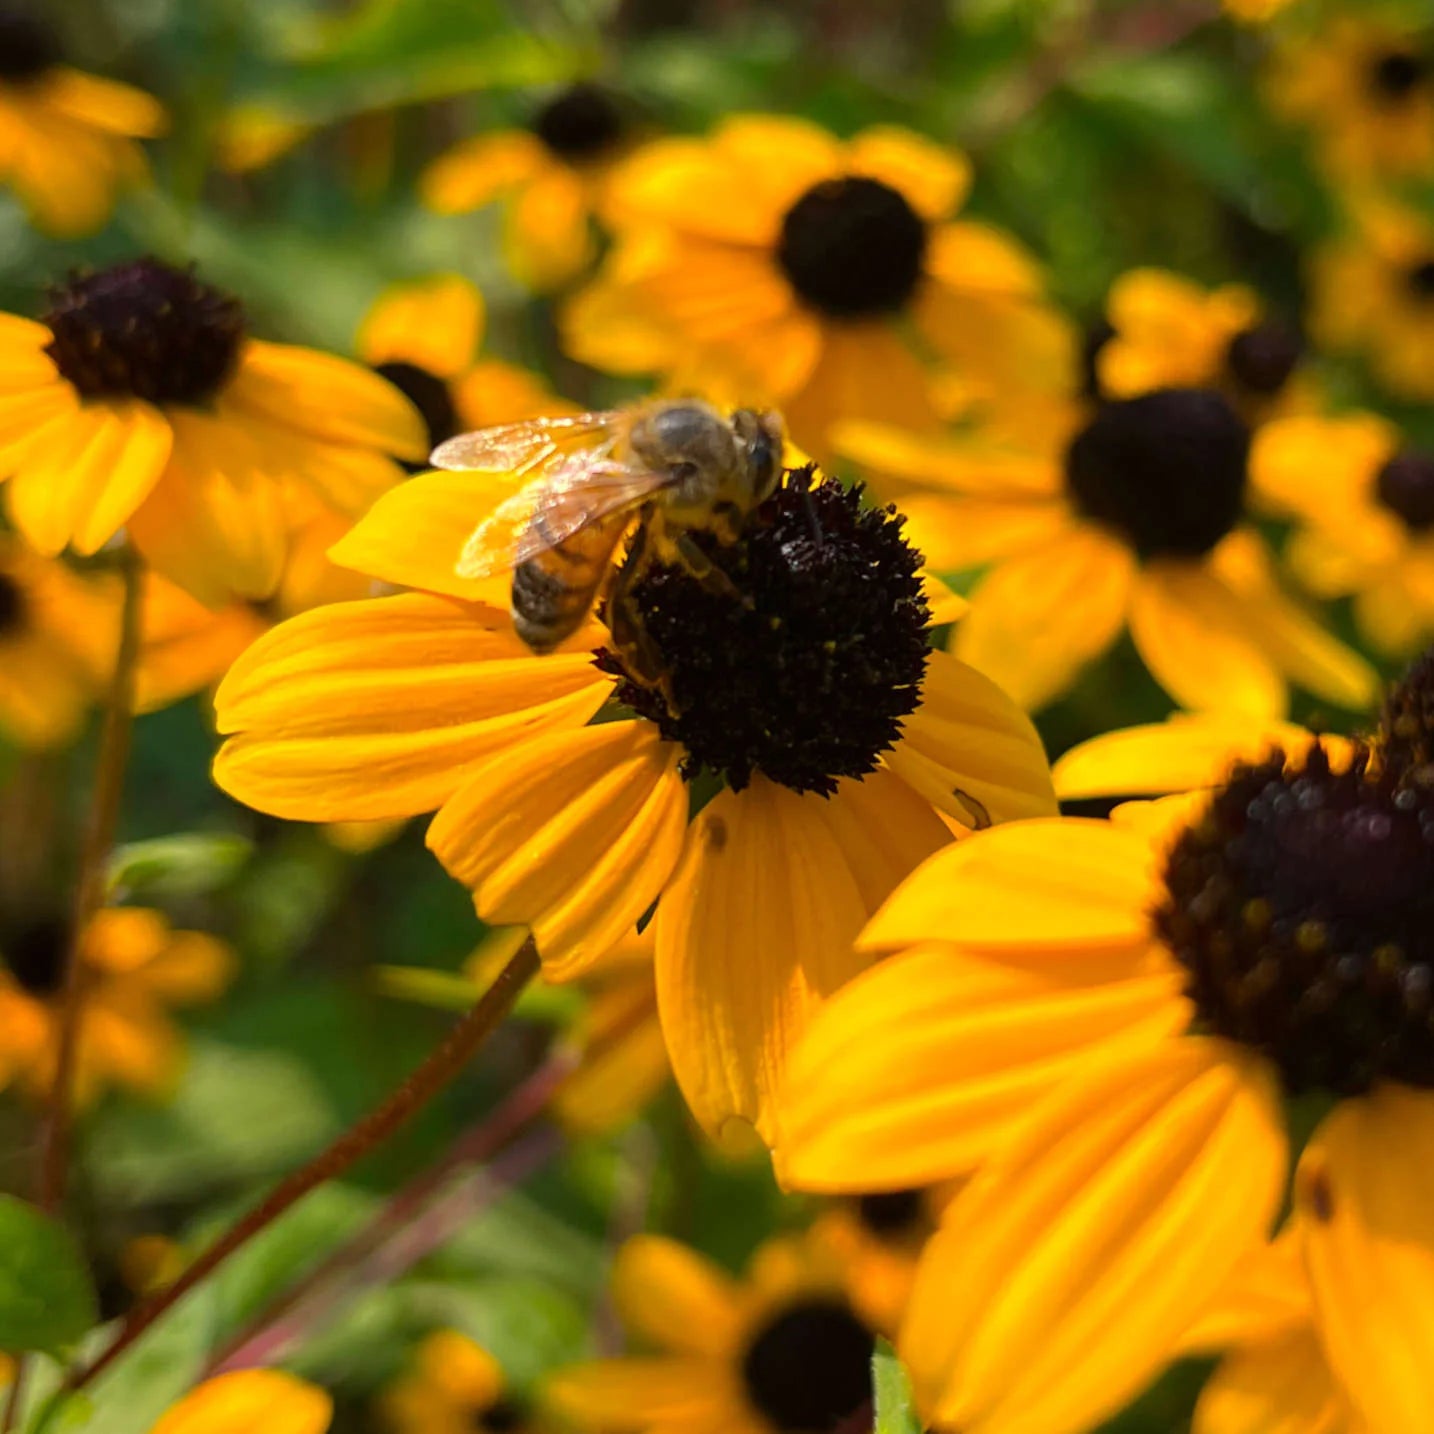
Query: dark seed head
x,y
500,1417
1405,485
803,664
1261,359
1420,280
1302,907
145,330
853,248
35,955
581,123
1097,336
893,1213
12,607
1396,74
28,46
430,395
809,1367
1166,470
1405,736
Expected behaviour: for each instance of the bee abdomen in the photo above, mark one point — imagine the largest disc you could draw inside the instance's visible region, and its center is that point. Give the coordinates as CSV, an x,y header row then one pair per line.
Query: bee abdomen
x,y
546,608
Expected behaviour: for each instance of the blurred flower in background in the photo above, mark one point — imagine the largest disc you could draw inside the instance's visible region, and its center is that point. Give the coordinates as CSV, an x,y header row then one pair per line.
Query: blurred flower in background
x,y
453,1386
250,1399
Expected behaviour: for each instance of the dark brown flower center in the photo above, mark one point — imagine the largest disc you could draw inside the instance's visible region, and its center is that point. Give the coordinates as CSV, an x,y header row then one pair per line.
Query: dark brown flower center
x,y
35,952
1405,736
1302,907
430,395
1405,485
853,248
500,1417
1166,470
1261,359
1396,74
145,330
804,661
12,607
893,1213
28,46
808,1367
580,124
1419,278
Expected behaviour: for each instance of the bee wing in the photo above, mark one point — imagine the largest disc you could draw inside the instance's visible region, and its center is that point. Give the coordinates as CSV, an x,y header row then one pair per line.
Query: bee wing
x,y
527,446
571,496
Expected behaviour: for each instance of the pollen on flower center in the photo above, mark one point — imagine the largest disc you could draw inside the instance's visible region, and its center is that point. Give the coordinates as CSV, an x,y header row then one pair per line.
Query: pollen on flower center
x,y
12,606
28,47
809,1366
1302,907
145,330
1166,470
1405,485
802,663
429,394
853,248
35,956
1261,359
1396,74
580,123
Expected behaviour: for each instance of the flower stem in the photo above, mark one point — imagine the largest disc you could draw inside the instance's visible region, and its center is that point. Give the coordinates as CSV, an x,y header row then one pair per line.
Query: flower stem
x,y
436,1072
113,759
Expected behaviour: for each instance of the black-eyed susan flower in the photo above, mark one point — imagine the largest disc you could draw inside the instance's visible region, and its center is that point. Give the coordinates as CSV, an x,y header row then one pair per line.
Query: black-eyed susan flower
x,y
780,1352
1363,502
1373,294
773,260
250,1399
1363,83
137,969
1163,330
834,745
425,335
1110,1016
549,178
453,1386
57,643
67,139
1133,521
140,401
1254,12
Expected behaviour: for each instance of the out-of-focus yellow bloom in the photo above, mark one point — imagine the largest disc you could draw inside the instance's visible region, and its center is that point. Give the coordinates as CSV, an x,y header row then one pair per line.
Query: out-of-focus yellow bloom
x,y
454,1386
781,1350
773,262
1133,520
140,402
148,1263
549,179
1373,294
1364,504
250,137
1363,83
67,139
250,1401
137,968
1255,12
58,631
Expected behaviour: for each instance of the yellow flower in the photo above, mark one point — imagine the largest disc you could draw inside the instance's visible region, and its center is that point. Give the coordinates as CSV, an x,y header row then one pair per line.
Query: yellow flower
x,y
248,1401
1101,1019
1165,331
1364,503
781,1350
252,136
1364,85
772,260
454,1387
549,178
840,744
140,402
67,139
57,643
1133,522
1373,294
424,336
137,968
1255,12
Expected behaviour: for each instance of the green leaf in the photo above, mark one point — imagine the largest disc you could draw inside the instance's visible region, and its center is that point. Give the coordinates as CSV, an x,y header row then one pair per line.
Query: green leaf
x,y
47,1300
895,1413
189,864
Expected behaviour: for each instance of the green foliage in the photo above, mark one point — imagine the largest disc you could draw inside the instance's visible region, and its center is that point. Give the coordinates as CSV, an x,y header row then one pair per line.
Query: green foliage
x,y
895,1412
47,1299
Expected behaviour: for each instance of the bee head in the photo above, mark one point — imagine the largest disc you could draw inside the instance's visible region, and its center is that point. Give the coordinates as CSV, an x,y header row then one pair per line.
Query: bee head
x,y
761,437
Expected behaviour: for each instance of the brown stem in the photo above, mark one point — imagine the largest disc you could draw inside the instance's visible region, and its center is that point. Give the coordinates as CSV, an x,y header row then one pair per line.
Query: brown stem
x,y
16,1396
99,836
283,1323
440,1068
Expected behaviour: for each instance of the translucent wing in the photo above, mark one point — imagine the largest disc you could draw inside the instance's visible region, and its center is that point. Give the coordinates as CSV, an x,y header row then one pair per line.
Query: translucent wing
x,y
525,447
571,496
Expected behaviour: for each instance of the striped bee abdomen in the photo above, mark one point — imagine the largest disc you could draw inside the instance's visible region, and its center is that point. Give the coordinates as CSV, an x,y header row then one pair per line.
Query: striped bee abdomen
x,y
554,591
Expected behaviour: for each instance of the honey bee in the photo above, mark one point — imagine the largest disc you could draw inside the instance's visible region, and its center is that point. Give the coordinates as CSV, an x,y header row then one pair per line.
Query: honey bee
x,y
674,467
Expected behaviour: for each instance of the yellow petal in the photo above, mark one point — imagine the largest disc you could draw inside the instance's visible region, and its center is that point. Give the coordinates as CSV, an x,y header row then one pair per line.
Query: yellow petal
x,y
380,708
672,1298
1267,1300
1362,1201
1064,1275
688,1394
913,1072
105,104
1039,617
459,1372
970,751
1280,1386
1050,889
573,833
754,931
480,170
248,1400
933,179
547,239
436,323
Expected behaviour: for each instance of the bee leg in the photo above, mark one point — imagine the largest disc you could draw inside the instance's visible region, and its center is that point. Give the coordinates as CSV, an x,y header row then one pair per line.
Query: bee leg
x,y
639,654
703,568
